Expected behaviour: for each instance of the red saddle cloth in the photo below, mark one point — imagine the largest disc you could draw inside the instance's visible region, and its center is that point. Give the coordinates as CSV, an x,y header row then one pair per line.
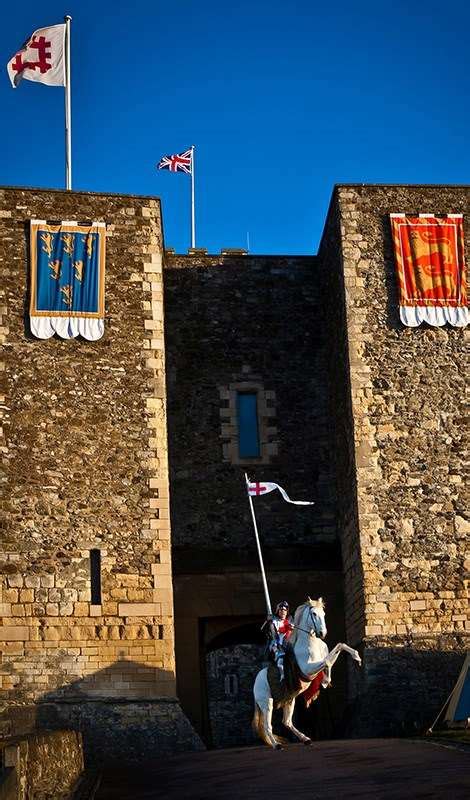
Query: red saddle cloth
x,y
313,689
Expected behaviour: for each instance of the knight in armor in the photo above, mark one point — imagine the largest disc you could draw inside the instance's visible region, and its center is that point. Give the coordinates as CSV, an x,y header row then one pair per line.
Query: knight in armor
x,y
280,626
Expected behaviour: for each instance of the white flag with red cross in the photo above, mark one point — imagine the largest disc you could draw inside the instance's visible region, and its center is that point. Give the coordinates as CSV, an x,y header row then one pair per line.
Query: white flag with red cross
x,y
257,488
41,58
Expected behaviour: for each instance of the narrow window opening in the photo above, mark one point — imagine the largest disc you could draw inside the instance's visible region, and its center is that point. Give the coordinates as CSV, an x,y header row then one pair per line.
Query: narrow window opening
x,y
95,575
248,431
231,685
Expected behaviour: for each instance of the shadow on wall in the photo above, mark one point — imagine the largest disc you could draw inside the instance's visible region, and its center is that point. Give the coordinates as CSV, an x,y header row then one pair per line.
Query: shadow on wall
x,y
402,689
390,279
125,712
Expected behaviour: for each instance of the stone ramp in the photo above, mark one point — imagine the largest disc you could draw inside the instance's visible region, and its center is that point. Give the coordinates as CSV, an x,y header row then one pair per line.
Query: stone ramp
x,y
366,769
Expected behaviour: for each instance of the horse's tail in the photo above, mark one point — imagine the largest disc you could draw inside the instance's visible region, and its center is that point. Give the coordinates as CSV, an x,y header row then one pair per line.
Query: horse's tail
x,y
257,725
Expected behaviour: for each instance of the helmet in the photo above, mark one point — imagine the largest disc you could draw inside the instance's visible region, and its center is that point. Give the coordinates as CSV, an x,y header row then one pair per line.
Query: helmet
x,y
282,604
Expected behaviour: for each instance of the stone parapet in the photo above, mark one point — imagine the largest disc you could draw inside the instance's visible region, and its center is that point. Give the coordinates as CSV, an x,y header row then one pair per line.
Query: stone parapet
x,y
123,731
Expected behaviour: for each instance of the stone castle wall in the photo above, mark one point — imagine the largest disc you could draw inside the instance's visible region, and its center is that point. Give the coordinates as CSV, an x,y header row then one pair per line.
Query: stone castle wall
x,y
356,412
85,464
406,558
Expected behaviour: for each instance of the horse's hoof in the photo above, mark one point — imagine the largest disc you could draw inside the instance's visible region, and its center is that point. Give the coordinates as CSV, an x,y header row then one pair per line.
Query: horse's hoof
x,y
278,747
308,742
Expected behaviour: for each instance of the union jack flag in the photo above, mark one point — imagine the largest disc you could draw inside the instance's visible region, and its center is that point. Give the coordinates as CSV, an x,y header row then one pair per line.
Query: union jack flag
x,y
178,162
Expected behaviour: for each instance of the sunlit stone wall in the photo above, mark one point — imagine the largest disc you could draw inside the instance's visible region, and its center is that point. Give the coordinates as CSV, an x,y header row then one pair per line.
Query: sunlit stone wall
x,y
85,468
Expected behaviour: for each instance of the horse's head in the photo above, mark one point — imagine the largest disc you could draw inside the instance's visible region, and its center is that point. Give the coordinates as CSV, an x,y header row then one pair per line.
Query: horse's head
x,y
314,616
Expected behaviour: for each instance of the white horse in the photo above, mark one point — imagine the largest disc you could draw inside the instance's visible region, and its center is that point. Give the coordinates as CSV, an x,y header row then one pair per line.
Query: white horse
x,y
312,657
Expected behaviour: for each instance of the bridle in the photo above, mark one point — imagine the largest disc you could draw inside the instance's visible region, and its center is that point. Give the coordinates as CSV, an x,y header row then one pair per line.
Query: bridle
x,y
314,628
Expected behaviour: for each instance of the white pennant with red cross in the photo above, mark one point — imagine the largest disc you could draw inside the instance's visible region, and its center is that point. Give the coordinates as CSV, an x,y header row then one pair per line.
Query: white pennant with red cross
x,y
257,488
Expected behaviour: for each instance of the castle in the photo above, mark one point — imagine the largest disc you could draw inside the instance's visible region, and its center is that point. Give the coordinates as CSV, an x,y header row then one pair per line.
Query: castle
x,y
127,537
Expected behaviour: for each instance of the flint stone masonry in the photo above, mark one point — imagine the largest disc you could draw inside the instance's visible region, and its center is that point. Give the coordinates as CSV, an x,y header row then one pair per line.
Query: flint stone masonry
x,y
231,672
119,730
85,462
44,766
397,405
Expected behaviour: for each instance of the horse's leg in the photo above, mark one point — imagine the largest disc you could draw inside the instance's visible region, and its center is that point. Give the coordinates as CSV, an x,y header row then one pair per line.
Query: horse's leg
x,y
330,660
337,649
267,716
326,677
288,711
264,702
353,653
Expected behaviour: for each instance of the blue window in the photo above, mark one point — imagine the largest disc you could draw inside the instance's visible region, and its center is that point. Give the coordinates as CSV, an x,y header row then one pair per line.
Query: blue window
x,y
248,435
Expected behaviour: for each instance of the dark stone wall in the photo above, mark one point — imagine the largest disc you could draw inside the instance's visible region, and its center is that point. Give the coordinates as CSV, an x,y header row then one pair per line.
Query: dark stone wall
x,y
227,320
340,420
231,672
123,732
404,685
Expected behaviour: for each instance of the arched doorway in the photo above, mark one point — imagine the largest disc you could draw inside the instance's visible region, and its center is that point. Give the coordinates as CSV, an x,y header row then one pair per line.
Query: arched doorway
x,y
226,610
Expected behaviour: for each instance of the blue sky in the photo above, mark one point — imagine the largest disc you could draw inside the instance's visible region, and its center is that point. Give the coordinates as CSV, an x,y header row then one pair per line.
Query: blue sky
x,y
282,101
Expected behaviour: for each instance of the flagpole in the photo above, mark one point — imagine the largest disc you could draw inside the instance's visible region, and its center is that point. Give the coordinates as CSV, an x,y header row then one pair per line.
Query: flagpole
x,y
68,107
260,555
193,219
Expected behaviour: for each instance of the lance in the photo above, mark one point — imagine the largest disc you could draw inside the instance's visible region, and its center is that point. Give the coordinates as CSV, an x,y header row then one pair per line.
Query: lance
x,y
260,555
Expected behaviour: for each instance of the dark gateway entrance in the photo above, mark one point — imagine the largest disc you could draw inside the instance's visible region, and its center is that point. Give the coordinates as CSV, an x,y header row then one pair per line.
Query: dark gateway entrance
x,y
220,648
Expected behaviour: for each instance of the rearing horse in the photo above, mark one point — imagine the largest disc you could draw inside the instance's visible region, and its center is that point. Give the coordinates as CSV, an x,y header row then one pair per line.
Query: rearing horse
x,y
312,656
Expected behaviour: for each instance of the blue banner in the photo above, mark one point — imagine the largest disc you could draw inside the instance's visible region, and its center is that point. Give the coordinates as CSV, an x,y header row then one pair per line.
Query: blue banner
x,y
67,270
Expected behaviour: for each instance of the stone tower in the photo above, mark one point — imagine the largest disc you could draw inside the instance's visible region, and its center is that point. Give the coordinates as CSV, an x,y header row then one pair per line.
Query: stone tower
x,y
87,608
397,415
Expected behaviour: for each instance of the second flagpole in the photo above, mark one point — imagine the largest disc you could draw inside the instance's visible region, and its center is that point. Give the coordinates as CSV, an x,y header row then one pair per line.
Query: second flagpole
x,y
68,107
193,216
260,555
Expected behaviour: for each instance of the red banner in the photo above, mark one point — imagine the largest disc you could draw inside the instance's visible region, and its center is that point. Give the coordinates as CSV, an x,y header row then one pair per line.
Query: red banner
x,y
430,263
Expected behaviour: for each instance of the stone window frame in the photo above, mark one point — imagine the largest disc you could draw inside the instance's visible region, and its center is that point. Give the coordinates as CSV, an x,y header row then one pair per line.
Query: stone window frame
x,y
229,422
